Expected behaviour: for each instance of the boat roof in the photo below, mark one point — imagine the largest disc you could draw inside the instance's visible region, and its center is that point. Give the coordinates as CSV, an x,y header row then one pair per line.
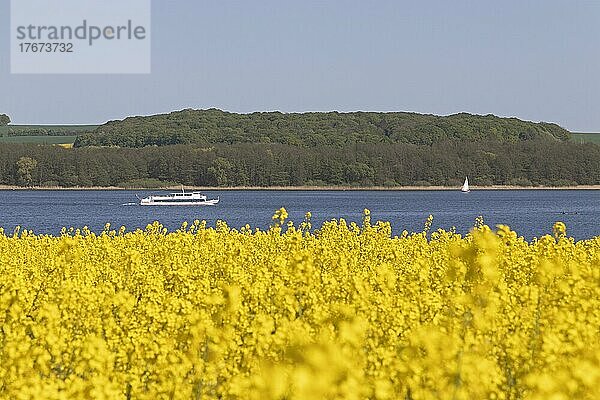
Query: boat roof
x,y
184,193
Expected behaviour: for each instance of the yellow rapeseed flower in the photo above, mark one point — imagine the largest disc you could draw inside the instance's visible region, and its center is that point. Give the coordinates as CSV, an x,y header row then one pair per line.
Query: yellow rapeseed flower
x,y
341,312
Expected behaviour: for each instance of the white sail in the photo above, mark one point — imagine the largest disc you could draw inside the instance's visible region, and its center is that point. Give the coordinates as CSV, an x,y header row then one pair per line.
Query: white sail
x,y
465,186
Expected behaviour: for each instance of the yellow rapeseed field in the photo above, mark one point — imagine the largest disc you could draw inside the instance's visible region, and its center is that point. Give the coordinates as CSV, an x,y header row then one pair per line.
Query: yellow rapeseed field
x,y
343,311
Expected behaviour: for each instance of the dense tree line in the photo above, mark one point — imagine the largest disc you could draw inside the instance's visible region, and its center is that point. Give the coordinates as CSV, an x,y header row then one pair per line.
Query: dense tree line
x,y
45,130
206,127
537,162
4,119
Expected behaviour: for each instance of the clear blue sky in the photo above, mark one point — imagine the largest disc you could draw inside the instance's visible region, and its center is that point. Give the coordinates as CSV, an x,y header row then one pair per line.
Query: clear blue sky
x,y
536,60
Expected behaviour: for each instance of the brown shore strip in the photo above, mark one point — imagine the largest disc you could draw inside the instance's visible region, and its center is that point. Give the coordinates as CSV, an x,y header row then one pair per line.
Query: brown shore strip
x,y
315,188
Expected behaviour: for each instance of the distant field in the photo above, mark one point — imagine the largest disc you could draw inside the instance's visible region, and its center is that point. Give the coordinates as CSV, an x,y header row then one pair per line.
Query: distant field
x,y
39,139
585,138
43,130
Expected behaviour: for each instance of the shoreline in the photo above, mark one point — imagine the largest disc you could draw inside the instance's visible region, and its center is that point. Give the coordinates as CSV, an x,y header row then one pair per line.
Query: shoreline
x,y
305,188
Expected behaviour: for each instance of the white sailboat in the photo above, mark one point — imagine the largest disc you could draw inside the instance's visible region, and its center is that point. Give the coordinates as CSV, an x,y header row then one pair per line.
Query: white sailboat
x,y
465,186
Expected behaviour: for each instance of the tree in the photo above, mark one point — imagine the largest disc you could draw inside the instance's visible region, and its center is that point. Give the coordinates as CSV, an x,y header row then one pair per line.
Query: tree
x,y
25,168
4,119
219,171
359,173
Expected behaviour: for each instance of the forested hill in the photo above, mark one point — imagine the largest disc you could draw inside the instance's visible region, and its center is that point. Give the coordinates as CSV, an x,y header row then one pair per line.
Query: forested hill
x,y
314,129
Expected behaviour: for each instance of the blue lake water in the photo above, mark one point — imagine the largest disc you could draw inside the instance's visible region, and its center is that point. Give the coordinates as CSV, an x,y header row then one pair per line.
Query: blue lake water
x,y
529,212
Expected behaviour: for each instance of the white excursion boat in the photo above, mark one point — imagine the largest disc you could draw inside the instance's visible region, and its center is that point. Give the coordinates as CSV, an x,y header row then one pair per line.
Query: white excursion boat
x,y
182,198
465,186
